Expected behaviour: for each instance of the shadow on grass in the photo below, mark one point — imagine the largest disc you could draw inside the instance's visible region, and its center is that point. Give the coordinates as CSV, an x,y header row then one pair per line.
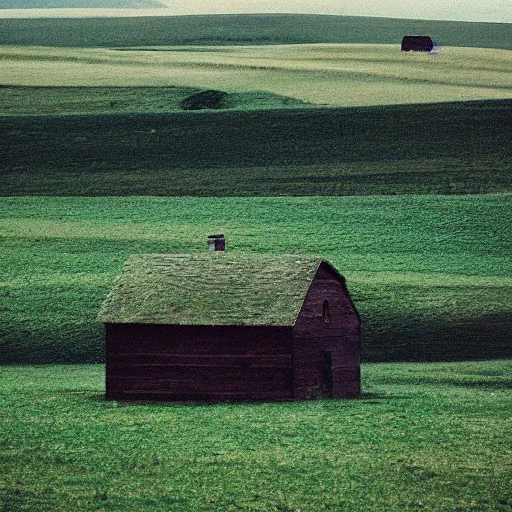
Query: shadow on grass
x,y
407,340
502,383
484,338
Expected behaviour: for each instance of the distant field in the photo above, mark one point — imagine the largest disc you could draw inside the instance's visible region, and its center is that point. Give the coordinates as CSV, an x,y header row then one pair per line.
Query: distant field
x,y
451,148
80,4
245,29
430,275
337,75
431,437
22,100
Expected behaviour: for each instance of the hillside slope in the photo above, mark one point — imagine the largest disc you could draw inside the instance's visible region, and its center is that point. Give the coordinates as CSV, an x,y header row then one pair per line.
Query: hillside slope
x,y
321,74
245,29
450,148
430,275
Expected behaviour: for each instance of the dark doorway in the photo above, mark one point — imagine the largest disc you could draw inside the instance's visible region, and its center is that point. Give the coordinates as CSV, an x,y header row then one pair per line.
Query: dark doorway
x,y
326,383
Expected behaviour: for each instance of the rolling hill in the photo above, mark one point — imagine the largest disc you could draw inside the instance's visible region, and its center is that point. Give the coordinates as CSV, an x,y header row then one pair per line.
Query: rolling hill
x,y
430,275
320,74
422,234
451,148
245,29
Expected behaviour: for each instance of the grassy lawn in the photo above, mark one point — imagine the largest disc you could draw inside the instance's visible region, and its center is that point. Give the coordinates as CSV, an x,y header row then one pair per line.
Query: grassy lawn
x,y
422,437
430,275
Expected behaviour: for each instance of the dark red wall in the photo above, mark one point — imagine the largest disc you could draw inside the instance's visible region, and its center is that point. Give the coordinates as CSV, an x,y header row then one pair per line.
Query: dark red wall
x,y
162,362
333,341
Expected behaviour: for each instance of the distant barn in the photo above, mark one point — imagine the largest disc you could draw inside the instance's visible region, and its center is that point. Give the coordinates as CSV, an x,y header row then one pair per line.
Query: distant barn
x,y
222,326
417,44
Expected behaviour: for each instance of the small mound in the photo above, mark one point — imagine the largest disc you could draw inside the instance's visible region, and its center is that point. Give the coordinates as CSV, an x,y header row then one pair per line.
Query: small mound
x,y
205,100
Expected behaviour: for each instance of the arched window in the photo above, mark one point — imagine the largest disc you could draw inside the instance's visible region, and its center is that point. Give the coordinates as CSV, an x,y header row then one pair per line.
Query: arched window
x,y
326,314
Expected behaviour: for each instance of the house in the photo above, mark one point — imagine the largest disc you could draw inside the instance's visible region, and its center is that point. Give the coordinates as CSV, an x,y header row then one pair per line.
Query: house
x,y
417,44
221,326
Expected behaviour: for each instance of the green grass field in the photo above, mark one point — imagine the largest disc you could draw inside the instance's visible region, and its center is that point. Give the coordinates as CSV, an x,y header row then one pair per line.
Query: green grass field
x,y
453,148
430,275
245,29
432,437
336,75
406,189
37,100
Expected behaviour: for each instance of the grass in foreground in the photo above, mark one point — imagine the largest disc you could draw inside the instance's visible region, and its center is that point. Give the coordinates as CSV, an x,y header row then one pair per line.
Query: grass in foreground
x,y
430,275
431,437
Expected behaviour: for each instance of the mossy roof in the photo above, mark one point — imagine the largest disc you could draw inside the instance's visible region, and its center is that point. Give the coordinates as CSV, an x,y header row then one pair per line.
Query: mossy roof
x,y
214,288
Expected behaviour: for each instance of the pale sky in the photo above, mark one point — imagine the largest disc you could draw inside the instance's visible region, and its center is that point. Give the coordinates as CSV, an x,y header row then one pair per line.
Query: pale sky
x,y
458,10
464,10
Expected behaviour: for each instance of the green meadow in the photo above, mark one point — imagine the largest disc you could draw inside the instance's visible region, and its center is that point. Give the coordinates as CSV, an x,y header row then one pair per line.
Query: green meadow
x,y
422,437
78,100
329,141
451,148
430,275
319,74
261,29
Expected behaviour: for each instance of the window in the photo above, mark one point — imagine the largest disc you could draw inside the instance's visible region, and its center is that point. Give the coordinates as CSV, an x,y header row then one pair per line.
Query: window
x,y
326,314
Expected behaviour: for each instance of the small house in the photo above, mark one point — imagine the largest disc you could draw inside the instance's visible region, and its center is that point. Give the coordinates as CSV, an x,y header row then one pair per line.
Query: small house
x,y
417,44
221,326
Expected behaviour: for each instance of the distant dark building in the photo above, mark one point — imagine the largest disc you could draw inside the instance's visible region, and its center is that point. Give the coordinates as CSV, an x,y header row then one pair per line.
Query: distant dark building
x,y
222,326
216,243
417,44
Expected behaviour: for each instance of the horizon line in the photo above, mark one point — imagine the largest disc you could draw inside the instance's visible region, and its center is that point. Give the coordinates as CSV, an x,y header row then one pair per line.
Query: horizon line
x,y
88,12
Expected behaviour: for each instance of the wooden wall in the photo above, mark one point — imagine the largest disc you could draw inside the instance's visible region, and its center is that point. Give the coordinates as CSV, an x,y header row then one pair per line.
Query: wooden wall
x,y
212,363
320,342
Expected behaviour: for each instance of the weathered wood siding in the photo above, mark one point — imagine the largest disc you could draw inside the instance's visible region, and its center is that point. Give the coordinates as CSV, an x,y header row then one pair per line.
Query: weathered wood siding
x,y
322,342
210,363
